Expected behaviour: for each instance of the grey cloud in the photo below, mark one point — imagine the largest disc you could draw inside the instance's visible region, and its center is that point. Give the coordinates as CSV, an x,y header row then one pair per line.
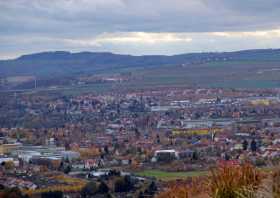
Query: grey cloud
x,y
133,15
38,25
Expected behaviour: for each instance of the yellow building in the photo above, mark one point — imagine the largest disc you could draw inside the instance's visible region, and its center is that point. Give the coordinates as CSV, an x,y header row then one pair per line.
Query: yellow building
x,y
264,102
187,132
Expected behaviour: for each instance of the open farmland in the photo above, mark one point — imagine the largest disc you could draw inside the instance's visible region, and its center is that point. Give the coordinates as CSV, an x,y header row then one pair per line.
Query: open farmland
x,y
167,176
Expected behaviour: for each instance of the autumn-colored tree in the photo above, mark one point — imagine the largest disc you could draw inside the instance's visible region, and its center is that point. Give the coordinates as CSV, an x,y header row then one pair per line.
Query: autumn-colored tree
x,y
9,165
55,164
87,153
43,169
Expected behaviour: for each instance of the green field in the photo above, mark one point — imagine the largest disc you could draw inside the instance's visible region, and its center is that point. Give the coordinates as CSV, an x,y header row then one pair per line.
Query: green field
x,y
164,175
233,74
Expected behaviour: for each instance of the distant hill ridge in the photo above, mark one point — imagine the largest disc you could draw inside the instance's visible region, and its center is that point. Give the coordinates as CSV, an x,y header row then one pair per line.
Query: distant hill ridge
x,y
63,63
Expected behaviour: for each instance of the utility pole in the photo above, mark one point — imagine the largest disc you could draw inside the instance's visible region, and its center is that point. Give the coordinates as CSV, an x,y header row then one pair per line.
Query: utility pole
x,y
15,95
35,82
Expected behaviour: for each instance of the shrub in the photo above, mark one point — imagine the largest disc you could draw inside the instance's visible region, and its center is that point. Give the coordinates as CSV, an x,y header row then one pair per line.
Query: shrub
x,y
226,181
123,184
234,181
103,188
89,190
11,193
276,182
175,192
190,188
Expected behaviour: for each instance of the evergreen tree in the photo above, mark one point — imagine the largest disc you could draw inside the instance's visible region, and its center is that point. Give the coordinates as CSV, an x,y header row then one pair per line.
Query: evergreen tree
x,y
54,194
245,145
253,146
103,188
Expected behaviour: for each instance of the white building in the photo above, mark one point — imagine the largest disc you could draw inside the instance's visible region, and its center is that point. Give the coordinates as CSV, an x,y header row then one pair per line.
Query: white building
x,y
27,155
166,155
70,155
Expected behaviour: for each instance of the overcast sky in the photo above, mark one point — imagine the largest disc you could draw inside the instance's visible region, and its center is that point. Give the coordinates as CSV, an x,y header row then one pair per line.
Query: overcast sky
x,y
137,26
